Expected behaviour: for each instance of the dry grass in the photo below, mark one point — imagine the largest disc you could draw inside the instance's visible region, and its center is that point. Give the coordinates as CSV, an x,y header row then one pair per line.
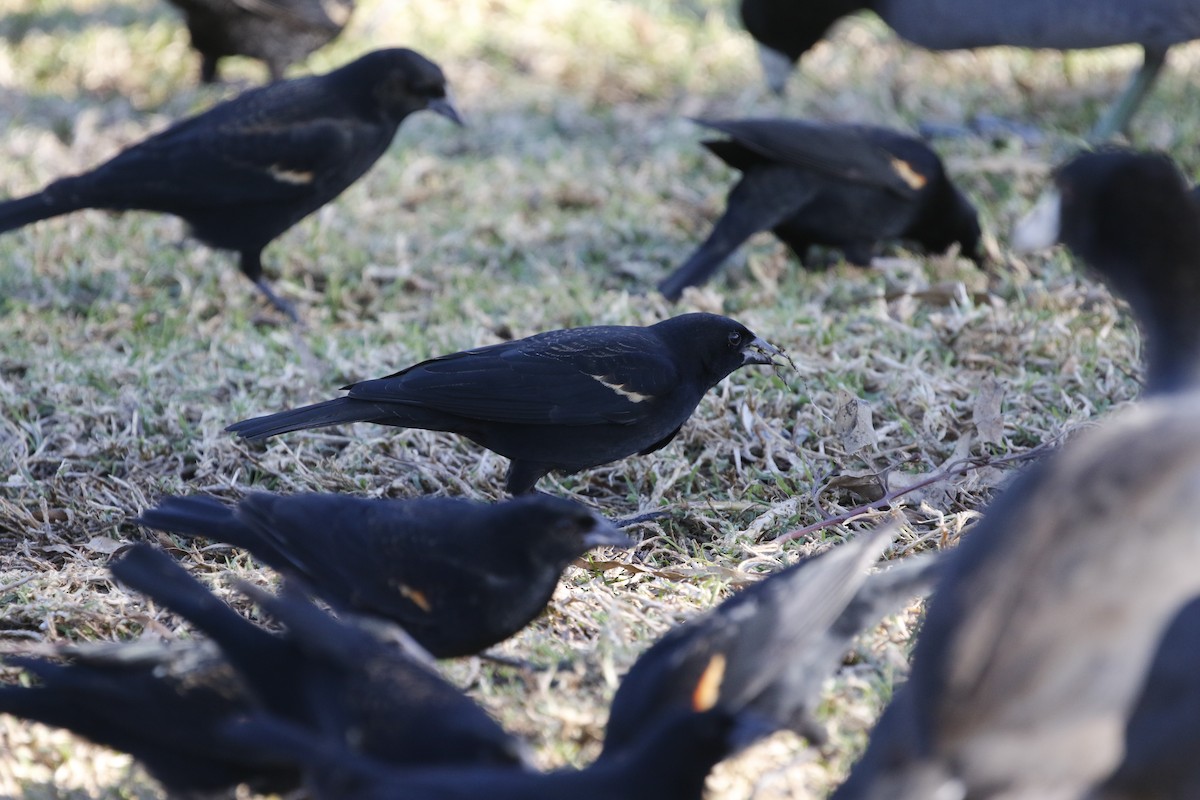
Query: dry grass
x,y
578,184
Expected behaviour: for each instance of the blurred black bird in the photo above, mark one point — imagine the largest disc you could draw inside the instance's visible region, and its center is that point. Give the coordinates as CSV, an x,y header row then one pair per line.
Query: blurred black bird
x,y
330,676
457,575
1046,618
718,692
165,705
776,641
1162,736
668,761
563,400
786,29
278,32
1134,220
246,170
847,186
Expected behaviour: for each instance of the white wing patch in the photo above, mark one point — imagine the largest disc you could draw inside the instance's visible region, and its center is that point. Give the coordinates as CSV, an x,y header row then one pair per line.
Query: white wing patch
x,y
633,397
292,176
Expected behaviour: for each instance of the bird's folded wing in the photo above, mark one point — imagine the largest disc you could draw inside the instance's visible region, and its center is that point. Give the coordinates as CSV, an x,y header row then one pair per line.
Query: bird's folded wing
x,y
564,380
251,165
842,152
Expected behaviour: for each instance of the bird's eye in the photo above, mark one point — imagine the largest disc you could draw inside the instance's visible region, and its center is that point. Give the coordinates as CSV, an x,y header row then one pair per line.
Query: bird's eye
x,y
735,339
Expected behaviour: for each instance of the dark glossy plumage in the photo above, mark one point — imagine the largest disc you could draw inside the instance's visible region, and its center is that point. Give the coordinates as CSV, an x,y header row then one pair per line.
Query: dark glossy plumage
x,y
246,170
278,32
844,186
458,576
361,684
563,400
328,675
669,761
787,29
365,720
777,641
165,705
1133,219
719,692
1046,619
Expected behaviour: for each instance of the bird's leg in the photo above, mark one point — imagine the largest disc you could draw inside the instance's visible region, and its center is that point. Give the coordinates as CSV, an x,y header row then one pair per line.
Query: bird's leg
x,y
278,302
1118,116
524,475
208,68
251,266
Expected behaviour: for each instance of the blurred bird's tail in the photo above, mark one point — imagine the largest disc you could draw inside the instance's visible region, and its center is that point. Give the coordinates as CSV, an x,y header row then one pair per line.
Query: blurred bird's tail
x,y
702,264
318,415
54,200
758,202
53,702
198,515
746,213
156,575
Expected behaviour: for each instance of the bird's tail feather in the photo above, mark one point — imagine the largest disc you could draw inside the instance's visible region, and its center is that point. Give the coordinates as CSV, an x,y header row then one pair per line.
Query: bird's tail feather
x,y
758,204
318,415
156,575
702,263
199,515
740,221
47,703
43,205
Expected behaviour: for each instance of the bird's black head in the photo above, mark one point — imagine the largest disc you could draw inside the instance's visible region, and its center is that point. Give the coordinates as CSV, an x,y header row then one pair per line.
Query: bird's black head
x,y
1133,219
711,346
949,218
554,531
403,82
787,29
945,217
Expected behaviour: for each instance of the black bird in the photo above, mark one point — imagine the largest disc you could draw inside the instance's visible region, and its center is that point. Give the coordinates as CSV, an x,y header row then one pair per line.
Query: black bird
x,y
1046,618
165,705
457,575
246,170
330,676
704,691
1134,220
278,32
669,761
776,641
786,29
847,186
562,400
1162,735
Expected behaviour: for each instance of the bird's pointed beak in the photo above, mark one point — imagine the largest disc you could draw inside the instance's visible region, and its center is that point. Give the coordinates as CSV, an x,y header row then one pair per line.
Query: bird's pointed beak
x,y
776,67
605,533
1039,228
760,351
443,106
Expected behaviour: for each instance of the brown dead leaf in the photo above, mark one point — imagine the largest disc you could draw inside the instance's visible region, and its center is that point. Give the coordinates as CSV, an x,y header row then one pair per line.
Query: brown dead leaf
x,y
864,488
